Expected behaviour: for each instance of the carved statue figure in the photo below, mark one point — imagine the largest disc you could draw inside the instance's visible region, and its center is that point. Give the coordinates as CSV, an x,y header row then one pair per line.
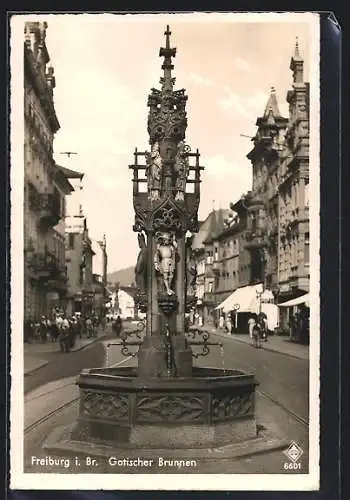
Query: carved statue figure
x,y
181,171
165,259
141,264
191,269
154,172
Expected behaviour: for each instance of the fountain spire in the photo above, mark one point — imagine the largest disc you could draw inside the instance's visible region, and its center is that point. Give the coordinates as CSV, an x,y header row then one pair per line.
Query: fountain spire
x,y
167,81
167,115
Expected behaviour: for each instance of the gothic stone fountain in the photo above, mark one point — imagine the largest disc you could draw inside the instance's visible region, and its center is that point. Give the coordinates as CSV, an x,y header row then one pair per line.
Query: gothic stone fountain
x,y
165,402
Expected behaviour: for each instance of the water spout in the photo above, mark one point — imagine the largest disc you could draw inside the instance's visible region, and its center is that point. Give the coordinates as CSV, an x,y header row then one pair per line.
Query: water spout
x,y
222,358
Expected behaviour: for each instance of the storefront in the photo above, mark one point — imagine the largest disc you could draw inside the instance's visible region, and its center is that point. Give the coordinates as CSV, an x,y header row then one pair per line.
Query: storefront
x,y
297,311
245,302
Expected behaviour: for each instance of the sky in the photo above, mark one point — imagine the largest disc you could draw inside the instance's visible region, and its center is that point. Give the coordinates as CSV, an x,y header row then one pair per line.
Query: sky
x,y
105,66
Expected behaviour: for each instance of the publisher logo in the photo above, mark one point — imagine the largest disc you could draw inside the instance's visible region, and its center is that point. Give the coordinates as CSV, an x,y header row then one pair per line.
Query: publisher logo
x,y
293,452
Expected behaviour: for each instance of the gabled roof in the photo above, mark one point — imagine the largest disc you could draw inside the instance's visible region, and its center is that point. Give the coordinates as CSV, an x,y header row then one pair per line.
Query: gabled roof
x,y
198,239
210,228
71,174
62,180
272,105
217,224
272,116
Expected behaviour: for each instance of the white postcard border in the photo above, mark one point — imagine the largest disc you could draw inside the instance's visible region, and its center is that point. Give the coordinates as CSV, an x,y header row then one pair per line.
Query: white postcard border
x,y
227,482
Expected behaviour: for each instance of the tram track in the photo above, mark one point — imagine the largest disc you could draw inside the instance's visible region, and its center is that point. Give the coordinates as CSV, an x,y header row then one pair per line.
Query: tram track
x,y
34,425
290,412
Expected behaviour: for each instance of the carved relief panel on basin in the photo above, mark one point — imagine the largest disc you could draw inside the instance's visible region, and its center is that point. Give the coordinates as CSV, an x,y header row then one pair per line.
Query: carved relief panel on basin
x,y
231,406
170,408
104,405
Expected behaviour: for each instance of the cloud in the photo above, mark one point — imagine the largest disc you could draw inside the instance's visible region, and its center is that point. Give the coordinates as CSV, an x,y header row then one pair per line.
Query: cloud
x,y
248,106
224,180
200,80
244,65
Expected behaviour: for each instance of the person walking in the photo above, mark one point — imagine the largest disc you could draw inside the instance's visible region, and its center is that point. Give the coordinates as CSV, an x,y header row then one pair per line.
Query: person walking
x,y
103,323
89,327
251,324
118,326
64,337
229,324
43,329
262,320
28,331
54,330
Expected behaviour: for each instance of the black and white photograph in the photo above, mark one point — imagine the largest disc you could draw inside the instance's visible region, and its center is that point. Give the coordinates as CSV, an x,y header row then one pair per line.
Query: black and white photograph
x,y
165,319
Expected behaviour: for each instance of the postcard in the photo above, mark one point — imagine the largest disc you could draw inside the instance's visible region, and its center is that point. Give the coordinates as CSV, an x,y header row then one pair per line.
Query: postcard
x,y
165,321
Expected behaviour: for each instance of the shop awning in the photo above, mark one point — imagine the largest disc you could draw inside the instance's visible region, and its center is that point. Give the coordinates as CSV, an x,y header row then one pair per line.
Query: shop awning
x,y
295,302
245,298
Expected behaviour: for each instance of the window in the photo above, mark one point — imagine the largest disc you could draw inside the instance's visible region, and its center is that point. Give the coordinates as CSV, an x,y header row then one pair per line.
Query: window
x,y
63,206
253,221
306,195
307,249
216,255
70,241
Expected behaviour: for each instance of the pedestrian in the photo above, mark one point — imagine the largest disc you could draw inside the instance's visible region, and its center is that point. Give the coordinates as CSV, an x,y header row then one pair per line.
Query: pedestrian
x,y
89,327
229,324
103,323
187,323
251,324
64,335
262,319
304,324
257,333
292,326
54,331
118,326
28,331
43,329
80,327
59,321
72,332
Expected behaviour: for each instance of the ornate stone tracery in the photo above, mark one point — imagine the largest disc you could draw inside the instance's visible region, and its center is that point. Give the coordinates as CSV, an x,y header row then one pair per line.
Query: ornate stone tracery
x,y
166,209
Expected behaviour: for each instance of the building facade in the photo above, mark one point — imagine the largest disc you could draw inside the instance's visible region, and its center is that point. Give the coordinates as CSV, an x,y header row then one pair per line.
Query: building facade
x,y
266,239
263,200
206,253
79,257
294,256
278,220
45,185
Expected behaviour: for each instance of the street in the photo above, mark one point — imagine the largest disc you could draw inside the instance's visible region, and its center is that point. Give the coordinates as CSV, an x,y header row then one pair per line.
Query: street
x,y
61,365
283,378
281,402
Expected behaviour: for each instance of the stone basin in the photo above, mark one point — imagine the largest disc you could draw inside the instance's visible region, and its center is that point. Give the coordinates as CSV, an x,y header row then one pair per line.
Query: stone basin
x,y
211,408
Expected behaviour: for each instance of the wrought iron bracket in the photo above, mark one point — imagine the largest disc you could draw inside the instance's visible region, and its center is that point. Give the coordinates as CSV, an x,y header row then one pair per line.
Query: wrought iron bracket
x,y
125,344
204,343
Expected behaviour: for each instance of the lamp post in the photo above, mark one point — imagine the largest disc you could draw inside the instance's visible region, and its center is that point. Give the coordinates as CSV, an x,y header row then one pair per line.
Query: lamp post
x,y
259,291
236,309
